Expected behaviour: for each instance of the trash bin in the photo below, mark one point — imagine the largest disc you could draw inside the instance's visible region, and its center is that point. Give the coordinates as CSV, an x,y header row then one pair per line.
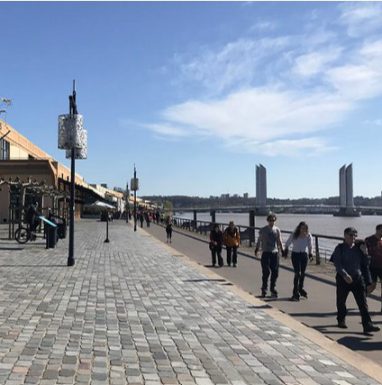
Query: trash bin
x,y
61,227
51,237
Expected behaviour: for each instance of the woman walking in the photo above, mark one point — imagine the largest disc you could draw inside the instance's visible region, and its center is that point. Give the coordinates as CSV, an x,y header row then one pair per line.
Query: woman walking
x,y
231,239
216,245
301,240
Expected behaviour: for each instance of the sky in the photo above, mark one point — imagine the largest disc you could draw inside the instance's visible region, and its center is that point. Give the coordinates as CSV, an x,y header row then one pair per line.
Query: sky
x,y
196,94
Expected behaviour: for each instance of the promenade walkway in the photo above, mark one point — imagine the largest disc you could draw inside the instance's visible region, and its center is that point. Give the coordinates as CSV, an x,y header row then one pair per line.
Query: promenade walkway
x,y
132,311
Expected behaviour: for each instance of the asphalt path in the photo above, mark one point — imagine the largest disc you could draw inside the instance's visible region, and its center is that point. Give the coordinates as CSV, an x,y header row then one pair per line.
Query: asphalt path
x,y
318,311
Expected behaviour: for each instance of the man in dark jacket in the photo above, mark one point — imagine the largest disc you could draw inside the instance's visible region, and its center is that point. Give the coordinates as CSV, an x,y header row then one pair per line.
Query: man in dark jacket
x,y
374,248
353,275
216,245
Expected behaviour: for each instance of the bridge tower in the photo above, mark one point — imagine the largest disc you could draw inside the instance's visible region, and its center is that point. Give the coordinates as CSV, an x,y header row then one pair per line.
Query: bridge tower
x,y
261,190
347,208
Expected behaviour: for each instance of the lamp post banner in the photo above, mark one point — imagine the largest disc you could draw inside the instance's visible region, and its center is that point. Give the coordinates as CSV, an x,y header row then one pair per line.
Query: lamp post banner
x,y
71,133
134,184
80,153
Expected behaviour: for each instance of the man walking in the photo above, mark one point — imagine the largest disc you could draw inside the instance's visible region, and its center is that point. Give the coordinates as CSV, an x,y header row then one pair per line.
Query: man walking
x,y
353,275
216,245
374,247
270,242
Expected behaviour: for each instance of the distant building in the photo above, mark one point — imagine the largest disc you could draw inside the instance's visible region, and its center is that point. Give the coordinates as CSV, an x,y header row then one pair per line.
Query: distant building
x,y
29,174
245,195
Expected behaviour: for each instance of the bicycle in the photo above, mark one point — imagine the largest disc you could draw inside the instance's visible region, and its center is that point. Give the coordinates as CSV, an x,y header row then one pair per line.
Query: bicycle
x,y
24,234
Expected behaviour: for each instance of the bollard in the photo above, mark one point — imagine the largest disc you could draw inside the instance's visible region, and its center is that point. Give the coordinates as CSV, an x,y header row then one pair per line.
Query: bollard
x,y
318,258
213,216
107,229
251,227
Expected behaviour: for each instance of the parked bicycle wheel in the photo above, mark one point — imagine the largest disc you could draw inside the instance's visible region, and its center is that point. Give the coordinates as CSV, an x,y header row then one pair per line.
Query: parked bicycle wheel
x,y
22,235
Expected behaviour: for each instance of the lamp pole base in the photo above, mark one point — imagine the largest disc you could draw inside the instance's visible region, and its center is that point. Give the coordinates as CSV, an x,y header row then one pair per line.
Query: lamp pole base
x,y
70,261
106,240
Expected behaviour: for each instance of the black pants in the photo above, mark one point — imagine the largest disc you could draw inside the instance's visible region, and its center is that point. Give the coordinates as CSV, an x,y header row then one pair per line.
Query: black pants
x,y
217,252
376,273
299,262
231,250
357,287
269,265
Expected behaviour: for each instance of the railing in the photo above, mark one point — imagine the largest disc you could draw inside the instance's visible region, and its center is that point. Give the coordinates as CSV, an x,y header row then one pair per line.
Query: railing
x,y
323,244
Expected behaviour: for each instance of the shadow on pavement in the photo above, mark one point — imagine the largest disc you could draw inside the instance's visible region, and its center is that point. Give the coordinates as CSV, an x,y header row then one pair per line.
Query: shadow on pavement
x,y
17,265
318,315
205,280
360,343
260,307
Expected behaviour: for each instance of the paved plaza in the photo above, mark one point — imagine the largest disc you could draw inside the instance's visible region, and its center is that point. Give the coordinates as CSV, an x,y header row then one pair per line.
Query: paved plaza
x,y
132,311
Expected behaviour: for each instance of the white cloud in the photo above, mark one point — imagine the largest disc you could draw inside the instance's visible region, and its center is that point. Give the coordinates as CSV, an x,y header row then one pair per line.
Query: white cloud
x,y
272,95
167,130
263,26
356,82
296,147
234,65
314,63
259,116
361,18
361,79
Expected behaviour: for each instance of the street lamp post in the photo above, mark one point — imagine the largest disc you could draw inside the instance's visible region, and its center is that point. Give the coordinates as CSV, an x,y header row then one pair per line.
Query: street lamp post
x,y
73,138
127,206
134,184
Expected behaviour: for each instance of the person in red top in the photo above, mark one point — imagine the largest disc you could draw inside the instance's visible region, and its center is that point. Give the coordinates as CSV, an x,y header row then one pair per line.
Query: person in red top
x,y
374,248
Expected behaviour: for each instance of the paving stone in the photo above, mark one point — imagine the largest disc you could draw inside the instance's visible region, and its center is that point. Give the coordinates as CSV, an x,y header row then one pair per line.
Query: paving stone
x,y
128,312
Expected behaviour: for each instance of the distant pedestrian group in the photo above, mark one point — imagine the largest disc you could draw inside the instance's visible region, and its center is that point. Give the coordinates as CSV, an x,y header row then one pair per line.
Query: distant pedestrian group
x,y
230,238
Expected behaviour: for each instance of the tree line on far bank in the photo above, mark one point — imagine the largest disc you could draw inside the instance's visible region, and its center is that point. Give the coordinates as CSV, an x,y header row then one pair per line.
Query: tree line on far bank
x,y
183,201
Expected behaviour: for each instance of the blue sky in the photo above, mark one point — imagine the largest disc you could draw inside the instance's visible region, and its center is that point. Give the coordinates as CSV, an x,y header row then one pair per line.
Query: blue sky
x,y
196,94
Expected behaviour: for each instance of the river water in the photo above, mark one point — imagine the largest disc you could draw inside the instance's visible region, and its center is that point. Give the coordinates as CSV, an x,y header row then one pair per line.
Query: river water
x,y
318,223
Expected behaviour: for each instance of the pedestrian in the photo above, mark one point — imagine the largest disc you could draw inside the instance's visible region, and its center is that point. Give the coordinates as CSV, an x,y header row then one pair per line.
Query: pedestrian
x,y
269,241
169,231
353,275
147,219
141,218
216,245
302,242
374,247
231,239
32,217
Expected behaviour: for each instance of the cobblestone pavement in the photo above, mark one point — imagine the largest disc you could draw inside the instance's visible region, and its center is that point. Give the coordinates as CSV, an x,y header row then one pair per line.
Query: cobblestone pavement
x,y
131,312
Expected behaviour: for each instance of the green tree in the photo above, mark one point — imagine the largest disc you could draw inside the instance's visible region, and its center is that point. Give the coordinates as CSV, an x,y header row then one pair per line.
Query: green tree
x,y
168,208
